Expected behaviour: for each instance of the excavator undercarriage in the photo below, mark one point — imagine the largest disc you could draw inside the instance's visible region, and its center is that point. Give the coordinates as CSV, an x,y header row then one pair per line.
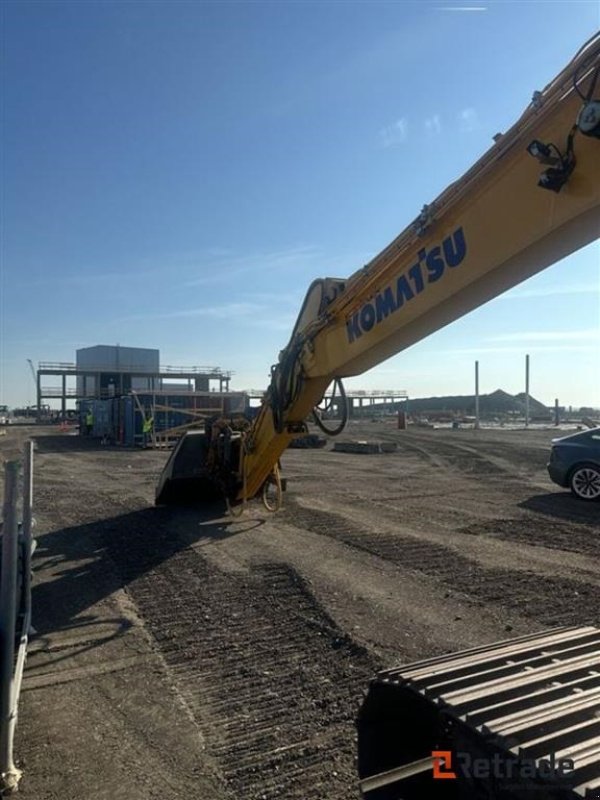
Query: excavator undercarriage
x,y
516,720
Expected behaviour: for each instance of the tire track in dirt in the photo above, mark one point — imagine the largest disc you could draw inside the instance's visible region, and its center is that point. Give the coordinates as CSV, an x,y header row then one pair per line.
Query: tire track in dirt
x,y
574,537
453,456
552,600
271,680
481,456
551,534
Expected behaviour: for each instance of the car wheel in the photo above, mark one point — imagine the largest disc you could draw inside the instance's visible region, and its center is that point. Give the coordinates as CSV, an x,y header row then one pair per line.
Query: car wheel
x,y
585,482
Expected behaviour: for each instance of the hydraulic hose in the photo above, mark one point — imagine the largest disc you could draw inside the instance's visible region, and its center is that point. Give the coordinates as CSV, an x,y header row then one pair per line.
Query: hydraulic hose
x,y
337,385
273,479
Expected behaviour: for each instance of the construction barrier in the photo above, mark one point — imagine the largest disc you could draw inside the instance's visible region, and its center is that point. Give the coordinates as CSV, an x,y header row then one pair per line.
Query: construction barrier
x,y
15,605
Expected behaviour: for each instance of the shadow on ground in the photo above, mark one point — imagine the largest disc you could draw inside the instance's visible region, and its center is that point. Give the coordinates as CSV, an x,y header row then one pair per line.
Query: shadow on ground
x,y
102,557
563,505
72,443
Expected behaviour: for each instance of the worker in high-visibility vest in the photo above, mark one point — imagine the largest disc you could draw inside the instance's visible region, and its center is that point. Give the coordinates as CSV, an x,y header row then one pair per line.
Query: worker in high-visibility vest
x,y
89,423
147,429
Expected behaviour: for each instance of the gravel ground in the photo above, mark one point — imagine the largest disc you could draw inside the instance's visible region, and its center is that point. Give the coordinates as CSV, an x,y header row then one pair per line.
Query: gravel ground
x,y
185,654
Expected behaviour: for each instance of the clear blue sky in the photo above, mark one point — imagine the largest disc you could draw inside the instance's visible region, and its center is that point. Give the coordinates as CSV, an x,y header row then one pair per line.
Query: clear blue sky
x,y
176,173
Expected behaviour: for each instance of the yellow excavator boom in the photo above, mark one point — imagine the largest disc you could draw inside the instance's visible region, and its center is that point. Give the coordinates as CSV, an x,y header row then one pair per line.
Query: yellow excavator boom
x,y
533,198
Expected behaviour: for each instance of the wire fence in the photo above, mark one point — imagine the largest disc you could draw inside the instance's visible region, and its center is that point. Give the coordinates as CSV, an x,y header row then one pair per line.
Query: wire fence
x,y
15,604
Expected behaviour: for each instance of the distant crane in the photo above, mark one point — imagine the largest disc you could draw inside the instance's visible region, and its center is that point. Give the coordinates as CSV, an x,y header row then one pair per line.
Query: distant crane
x,y
32,368
34,376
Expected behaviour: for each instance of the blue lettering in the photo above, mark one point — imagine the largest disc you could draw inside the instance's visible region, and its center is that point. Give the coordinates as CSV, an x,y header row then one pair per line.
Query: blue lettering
x,y
416,276
403,291
435,265
450,253
385,304
454,252
353,328
367,317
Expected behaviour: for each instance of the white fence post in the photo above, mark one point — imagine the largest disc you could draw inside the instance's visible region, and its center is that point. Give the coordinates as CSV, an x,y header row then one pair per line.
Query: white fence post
x,y
9,774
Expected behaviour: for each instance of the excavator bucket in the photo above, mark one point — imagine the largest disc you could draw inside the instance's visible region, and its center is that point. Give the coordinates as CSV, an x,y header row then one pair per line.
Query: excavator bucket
x,y
185,477
516,720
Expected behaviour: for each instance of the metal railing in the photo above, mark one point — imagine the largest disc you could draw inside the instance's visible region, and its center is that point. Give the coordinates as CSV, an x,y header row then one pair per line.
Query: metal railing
x,y
401,394
56,391
65,366
15,606
376,393
216,371
107,394
69,366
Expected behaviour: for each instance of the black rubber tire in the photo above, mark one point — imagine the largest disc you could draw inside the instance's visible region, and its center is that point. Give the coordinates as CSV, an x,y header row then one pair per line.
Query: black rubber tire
x,y
584,481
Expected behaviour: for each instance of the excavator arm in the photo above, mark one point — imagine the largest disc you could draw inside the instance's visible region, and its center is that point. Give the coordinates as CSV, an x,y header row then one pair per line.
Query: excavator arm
x,y
503,221
533,198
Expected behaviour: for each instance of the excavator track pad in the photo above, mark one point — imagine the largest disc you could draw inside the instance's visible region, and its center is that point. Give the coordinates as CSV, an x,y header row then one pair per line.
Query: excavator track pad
x,y
516,720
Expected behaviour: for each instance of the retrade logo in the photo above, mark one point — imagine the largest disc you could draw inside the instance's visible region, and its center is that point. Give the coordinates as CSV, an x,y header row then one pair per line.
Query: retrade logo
x,y
442,764
445,767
